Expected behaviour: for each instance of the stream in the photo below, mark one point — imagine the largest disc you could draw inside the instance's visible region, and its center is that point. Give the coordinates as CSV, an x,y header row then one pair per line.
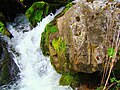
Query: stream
x,y
36,71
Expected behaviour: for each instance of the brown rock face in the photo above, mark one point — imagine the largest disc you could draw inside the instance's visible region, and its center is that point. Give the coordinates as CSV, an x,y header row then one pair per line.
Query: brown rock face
x,y
88,30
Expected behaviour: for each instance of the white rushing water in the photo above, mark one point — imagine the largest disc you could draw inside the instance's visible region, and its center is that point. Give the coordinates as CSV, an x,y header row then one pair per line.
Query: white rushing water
x,y
36,72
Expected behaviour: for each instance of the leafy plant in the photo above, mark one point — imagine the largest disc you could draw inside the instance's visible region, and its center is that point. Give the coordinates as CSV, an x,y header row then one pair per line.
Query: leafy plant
x,y
69,79
100,88
1,27
111,52
114,82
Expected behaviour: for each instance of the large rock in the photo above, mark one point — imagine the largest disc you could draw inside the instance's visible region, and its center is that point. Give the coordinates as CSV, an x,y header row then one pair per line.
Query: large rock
x,y
83,37
8,68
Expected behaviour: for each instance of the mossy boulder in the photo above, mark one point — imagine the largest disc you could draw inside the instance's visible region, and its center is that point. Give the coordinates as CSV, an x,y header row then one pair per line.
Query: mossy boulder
x,y
82,39
36,12
85,45
50,29
41,9
80,43
8,68
4,30
54,45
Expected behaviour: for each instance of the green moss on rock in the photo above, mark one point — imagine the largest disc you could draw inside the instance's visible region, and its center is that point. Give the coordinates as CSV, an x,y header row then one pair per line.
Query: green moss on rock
x,y
36,12
1,27
4,31
59,58
50,28
69,79
54,45
59,45
67,7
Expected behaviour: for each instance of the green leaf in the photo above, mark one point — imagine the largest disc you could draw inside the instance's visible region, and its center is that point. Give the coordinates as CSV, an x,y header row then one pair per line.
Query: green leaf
x,y
111,52
113,80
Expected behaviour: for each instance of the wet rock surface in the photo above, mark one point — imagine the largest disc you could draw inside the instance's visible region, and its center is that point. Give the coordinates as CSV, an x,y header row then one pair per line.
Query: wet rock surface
x,y
8,68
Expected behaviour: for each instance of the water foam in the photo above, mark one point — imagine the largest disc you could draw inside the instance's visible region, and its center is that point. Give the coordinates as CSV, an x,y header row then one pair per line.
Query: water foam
x,y
36,72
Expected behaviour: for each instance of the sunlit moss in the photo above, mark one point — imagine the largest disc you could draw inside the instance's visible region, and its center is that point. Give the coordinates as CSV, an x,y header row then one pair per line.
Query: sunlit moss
x,y
45,37
51,28
1,27
36,12
3,30
59,45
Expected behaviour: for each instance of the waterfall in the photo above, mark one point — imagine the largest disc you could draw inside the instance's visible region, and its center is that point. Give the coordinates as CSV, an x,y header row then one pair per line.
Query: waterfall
x,y
36,72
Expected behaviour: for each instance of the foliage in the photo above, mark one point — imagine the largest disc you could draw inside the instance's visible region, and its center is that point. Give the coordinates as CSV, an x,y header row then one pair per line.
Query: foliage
x,y
69,79
1,27
111,52
117,82
100,88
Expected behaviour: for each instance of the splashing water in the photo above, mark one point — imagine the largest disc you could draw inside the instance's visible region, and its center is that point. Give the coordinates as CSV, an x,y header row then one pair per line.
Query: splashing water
x,y
36,72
